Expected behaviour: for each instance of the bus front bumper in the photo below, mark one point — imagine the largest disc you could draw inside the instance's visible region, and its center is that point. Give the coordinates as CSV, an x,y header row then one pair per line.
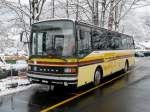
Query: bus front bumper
x,y
64,80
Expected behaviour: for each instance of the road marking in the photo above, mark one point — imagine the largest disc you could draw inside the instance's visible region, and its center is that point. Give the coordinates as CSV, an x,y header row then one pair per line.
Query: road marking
x,y
78,95
74,93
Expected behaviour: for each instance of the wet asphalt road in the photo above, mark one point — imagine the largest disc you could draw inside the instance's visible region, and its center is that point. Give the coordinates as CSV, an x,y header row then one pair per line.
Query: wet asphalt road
x,y
130,93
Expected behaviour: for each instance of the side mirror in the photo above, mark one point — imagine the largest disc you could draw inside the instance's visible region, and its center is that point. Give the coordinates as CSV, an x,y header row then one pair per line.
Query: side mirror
x,y
82,34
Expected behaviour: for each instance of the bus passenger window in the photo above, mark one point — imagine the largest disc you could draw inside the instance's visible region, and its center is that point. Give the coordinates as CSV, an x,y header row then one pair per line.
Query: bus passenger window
x,y
84,43
124,43
100,40
130,43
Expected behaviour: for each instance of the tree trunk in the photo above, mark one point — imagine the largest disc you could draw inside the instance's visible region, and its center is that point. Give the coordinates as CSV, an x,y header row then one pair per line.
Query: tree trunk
x,y
53,9
120,13
77,9
116,24
67,8
102,19
111,15
95,15
35,9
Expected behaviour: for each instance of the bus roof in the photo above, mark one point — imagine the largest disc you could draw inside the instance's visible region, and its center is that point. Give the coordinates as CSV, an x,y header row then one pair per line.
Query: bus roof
x,y
63,19
91,25
80,22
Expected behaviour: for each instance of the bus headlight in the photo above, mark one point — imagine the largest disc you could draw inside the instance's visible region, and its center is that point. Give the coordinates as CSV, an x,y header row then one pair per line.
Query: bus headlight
x,y
70,70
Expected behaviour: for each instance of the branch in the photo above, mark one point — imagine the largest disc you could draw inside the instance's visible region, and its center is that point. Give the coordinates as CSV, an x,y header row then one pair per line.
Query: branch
x,y
128,10
40,8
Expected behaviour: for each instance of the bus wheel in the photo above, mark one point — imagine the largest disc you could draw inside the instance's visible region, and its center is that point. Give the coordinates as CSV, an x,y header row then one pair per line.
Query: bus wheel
x,y
97,77
126,68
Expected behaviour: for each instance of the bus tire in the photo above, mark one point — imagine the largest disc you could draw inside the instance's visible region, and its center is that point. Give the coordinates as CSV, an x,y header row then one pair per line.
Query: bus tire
x,y
126,67
97,77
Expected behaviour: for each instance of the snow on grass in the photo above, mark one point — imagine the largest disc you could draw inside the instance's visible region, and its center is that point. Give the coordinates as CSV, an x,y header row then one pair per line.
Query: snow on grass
x,y
14,90
14,84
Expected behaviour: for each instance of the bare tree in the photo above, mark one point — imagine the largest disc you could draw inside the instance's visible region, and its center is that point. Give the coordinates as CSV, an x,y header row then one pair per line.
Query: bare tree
x,y
67,8
53,8
95,13
111,15
116,15
77,9
126,6
103,13
36,9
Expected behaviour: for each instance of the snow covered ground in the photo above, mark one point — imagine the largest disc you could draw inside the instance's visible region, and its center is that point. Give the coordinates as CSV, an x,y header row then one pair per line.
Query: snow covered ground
x,y
14,84
19,84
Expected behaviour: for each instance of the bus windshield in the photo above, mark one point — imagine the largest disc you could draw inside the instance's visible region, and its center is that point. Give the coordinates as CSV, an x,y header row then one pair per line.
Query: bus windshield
x,y
53,38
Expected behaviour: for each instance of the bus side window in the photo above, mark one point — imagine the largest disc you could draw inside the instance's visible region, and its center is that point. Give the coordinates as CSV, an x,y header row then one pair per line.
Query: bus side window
x,y
100,39
118,42
131,43
84,42
113,44
95,39
124,42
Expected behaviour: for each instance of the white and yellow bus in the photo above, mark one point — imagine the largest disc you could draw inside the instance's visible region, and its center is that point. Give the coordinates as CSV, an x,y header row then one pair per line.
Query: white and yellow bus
x,y
71,53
